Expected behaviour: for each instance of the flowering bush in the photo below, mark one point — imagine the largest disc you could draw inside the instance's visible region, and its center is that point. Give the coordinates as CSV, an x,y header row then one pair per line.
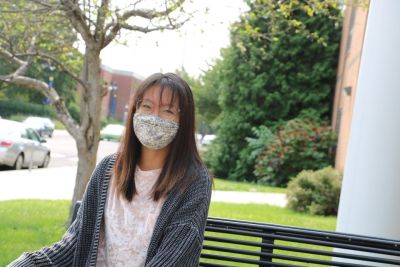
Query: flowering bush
x,y
299,144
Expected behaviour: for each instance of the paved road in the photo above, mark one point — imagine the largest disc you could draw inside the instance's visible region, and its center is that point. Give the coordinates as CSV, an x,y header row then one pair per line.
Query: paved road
x,y
64,152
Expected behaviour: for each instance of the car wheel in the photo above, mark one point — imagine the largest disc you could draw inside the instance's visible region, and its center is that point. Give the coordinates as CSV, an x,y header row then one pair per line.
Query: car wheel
x,y
46,161
19,162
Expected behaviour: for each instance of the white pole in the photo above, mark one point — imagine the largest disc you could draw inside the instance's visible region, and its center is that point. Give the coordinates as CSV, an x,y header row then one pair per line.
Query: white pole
x,y
370,197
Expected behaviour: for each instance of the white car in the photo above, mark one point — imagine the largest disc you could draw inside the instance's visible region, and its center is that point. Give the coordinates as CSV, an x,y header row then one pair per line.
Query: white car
x,y
207,139
21,146
44,126
112,132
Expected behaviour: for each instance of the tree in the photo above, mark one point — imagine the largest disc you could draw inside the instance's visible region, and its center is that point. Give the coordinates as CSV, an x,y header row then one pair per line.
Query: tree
x,y
50,30
66,86
205,93
281,64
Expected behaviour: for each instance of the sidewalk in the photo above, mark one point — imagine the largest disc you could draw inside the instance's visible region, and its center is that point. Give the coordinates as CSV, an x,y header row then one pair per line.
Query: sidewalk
x,y
58,183
275,199
50,183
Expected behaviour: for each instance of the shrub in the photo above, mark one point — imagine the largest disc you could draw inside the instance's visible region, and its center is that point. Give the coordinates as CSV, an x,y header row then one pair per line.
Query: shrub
x,y
109,120
58,125
17,117
315,192
300,144
247,158
211,155
12,107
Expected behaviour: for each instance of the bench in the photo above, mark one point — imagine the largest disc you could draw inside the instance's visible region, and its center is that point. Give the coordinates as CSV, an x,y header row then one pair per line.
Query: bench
x,y
241,243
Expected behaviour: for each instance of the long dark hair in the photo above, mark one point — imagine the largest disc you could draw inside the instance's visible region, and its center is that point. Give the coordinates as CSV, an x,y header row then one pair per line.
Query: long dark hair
x,y
183,160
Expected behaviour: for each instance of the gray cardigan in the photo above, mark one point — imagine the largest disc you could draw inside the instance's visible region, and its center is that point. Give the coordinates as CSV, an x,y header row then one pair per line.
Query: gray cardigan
x,y
176,241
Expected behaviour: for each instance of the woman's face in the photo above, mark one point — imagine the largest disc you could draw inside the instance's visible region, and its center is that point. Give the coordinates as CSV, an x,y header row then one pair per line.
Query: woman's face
x,y
150,104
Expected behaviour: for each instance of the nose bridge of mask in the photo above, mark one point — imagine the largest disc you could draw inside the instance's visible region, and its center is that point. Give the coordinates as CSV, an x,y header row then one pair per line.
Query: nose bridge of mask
x,y
154,119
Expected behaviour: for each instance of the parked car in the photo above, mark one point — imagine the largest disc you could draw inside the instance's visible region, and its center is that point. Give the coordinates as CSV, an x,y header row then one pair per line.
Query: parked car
x,y
207,139
44,126
198,137
21,146
112,132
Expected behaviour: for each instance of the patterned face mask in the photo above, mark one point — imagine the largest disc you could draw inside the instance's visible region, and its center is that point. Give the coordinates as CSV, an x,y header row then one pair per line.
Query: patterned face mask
x,y
154,132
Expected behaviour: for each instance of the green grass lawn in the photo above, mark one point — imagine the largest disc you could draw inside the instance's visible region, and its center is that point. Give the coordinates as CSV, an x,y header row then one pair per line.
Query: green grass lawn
x,y
271,214
267,214
30,224
225,185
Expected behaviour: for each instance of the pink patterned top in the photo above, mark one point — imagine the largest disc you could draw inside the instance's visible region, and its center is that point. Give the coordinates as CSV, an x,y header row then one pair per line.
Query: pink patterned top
x,y
128,226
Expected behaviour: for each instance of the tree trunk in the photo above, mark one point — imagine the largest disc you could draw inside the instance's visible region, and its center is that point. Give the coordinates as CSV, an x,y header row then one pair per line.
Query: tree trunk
x,y
89,131
86,164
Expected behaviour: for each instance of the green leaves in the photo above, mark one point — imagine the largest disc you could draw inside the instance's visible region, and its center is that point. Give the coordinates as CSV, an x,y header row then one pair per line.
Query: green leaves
x,y
299,144
24,20
281,64
316,192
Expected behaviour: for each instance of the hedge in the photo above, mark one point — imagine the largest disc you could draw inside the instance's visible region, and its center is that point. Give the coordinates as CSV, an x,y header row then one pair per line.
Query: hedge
x,y
13,107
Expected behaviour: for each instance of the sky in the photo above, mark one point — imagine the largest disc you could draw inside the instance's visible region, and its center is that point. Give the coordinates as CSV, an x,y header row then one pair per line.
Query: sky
x,y
195,46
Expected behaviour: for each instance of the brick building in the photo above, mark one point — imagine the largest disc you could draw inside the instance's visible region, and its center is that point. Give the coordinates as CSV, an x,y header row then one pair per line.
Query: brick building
x,y
120,85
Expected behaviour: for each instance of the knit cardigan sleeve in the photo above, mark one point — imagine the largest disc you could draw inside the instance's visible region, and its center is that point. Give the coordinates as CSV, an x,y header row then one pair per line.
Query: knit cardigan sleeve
x,y
62,252
182,239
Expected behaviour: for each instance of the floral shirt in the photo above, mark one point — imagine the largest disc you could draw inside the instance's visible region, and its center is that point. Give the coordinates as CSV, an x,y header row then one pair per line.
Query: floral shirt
x,y
128,226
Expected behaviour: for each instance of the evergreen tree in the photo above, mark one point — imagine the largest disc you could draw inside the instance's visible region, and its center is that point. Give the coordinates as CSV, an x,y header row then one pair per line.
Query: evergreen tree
x,y
281,64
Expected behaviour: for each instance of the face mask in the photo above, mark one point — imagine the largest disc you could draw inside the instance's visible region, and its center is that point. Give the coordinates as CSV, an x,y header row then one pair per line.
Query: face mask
x,y
154,132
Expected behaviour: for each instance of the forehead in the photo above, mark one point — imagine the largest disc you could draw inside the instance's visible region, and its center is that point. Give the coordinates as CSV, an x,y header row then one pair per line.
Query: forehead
x,y
153,94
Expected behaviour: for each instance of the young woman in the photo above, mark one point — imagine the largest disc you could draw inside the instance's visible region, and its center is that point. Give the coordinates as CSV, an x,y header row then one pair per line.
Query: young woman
x,y
147,204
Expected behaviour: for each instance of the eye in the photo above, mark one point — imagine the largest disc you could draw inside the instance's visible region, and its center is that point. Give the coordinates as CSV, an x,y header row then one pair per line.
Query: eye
x,y
169,111
146,106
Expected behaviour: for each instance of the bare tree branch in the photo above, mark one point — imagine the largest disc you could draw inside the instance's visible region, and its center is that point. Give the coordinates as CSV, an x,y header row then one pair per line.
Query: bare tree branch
x,y
23,68
149,13
59,63
18,78
121,22
153,28
6,41
77,19
101,18
11,57
115,28
46,4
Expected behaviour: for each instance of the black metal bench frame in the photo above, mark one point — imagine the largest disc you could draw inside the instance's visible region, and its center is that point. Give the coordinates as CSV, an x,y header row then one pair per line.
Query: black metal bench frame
x,y
226,243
